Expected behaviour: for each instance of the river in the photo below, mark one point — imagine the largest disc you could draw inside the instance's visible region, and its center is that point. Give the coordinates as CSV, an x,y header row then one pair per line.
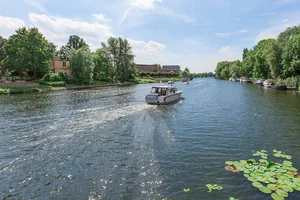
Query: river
x,y
107,143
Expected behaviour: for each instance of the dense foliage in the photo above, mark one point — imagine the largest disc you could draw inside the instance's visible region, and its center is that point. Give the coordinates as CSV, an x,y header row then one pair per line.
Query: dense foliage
x,y
269,58
28,51
204,75
82,66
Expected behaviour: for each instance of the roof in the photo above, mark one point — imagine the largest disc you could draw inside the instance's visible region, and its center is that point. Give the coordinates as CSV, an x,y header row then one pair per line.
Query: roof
x,y
164,86
171,67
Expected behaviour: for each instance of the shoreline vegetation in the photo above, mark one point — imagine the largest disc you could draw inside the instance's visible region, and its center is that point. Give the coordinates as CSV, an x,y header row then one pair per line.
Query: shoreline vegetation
x,y
111,64
276,59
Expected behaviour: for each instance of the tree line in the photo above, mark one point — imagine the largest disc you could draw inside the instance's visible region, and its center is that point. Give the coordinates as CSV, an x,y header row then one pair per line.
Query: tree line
x,y
28,51
204,75
271,58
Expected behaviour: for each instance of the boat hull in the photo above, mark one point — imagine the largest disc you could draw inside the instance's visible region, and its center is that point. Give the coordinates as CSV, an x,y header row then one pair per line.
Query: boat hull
x,y
279,87
162,100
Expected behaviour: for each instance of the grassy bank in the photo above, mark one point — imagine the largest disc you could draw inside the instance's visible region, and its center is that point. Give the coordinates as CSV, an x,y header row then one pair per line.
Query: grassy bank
x,y
18,90
154,80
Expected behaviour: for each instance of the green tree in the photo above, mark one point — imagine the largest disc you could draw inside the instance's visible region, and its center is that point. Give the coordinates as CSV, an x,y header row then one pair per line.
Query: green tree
x,y
2,53
291,57
74,42
120,58
82,66
28,51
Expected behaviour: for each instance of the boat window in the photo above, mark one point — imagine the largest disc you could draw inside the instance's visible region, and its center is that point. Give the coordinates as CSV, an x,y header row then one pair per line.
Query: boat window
x,y
163,92
154,90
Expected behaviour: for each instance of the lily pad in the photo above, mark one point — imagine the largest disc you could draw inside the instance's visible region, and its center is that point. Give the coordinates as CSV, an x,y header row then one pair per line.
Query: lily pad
x,y
257,184
272,180
282,193
219,188
293,169
276,196
287,188
265,190
271,186
229,163
291,172
186,189
229,168
287,163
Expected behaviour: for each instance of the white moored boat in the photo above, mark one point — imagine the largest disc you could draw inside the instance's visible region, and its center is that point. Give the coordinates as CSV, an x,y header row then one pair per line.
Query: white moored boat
x,y
163,95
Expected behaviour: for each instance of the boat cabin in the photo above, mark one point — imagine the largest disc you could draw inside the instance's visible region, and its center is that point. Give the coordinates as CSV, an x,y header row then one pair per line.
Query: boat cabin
x,y
163,91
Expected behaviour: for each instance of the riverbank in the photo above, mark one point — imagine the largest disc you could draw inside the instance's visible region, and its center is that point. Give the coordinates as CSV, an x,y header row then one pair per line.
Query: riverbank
x,y
46,87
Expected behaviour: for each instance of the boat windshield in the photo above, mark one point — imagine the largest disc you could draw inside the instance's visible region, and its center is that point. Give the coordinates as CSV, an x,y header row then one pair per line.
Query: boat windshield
x,y
154,90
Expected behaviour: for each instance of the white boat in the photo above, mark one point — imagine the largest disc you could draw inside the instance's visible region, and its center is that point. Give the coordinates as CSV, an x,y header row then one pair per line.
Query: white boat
x,y
163,95
268,83
170,82
246,80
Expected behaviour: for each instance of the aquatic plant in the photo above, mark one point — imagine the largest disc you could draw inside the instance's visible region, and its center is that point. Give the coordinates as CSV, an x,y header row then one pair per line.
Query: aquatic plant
x,y
213,187
275,178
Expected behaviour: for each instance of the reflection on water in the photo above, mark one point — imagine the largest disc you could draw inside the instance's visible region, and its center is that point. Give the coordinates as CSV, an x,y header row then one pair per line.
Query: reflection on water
x,y
108,144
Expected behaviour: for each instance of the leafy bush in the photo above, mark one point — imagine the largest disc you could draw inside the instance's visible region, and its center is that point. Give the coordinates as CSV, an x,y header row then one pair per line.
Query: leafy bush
x,y
17,90
54,84
63,75
47,77
55,78
4,91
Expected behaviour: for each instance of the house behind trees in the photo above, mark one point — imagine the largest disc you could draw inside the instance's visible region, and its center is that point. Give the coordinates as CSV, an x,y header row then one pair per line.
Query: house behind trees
x,y
58,64
171,68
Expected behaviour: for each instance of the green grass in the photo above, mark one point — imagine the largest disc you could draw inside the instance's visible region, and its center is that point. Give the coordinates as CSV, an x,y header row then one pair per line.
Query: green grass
x,y
18,90
97,82
154,80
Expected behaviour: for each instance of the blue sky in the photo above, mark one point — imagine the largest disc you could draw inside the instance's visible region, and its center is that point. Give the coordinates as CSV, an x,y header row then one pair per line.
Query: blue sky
x,y
192,33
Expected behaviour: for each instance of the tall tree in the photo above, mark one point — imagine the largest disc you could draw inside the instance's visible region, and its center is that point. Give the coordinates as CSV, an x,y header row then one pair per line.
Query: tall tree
x,y
74,42
120,58
82,66
28,51
291,57
2,53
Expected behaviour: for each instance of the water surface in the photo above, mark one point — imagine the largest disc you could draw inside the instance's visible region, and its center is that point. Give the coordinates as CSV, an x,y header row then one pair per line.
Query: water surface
x,y
108,143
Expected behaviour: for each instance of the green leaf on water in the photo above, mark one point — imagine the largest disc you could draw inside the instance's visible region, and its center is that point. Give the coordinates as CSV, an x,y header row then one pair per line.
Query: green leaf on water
x,y
287,188
287,163
265,190
186,189
276,196
282,193
229,163
272,186
272,180
293,169
219,188
257,184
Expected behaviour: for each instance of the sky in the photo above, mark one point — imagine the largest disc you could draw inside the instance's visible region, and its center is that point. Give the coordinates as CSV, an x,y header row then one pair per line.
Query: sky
x,y
191,33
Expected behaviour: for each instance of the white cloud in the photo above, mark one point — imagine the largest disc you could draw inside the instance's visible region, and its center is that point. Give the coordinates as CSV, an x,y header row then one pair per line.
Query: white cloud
x,y
37,4
226,49
144,4
147,48
101,18
8,25
229,34
58,29
171,13
124,16
275,30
